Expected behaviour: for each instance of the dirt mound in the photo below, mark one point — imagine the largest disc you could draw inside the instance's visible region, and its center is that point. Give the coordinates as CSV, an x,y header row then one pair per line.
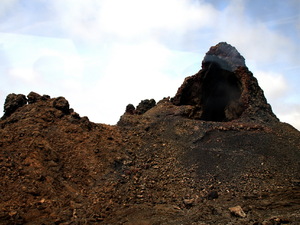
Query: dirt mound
x,y
197,158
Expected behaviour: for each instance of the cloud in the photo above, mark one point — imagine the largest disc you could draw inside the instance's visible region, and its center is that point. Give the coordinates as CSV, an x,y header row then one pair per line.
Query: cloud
x,y
253,38
274,84
284,21
26,75
56,63
6,6
134,72
98,20
290,114
4,60
298,27
134,17
281,96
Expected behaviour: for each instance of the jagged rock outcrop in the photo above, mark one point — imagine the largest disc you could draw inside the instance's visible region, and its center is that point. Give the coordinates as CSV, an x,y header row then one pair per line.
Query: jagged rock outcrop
x,y
131,112
142,107
224,89
130,109
35,97
16,101
145,105
12,103
225,55
62,104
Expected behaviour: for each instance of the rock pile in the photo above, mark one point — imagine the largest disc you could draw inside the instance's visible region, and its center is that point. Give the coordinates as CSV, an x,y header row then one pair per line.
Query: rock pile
x,y
142,107
16,101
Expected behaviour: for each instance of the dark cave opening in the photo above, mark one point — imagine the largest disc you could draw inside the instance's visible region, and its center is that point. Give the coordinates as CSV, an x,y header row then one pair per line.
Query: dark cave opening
x,y
220,88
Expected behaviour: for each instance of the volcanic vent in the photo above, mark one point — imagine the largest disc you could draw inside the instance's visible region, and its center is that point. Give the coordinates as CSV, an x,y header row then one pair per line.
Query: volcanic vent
x,y
224,89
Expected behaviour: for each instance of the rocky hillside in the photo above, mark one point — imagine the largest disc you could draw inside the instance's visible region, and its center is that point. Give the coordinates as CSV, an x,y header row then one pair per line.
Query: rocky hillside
x,y
215,153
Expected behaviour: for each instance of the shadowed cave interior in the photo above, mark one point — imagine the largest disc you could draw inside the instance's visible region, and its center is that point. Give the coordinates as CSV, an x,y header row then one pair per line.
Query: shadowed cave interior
x,y
215,91
220,93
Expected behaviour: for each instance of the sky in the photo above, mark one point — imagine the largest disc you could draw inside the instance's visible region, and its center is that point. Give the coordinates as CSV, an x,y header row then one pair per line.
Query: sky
x,y
102,55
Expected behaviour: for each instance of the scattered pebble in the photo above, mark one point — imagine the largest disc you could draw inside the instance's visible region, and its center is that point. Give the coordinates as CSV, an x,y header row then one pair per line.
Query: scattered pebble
x,y
237,211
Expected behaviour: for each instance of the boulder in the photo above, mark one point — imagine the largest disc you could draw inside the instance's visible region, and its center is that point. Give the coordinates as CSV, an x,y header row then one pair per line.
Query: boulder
x,y
33,97
145,105
62,104
12,103
130,109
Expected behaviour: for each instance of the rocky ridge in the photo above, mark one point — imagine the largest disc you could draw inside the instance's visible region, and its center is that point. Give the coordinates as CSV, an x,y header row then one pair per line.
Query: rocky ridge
x,y
215,153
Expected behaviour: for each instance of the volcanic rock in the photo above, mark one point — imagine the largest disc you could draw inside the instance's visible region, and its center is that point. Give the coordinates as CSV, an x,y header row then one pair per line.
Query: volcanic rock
x,y
33,97
142,107
225,55
224,89
62,104
130,109
145,105
187,160
12,103
212,195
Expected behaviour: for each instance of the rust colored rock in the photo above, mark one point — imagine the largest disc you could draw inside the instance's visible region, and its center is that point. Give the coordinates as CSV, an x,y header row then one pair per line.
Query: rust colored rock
x,y
224,89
